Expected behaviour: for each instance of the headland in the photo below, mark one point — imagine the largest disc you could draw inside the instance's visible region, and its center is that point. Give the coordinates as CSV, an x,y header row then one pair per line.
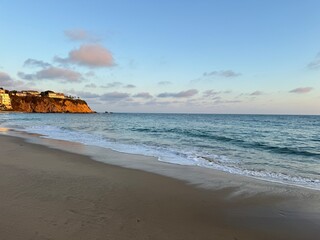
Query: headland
x,y
31,101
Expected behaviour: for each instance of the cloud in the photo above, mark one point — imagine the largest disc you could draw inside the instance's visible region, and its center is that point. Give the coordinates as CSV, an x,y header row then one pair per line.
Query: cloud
x,y
88,95
217,98
315,64
26,76
16,83
256,93
59,73
164,83
76,34
7,81
183,94
89,55
143,95
35,63
90,74
222,73
91,85
207,76
79,34
213,94
186,94
114,96
129,86
82,94
53,73
210,93
155,102
226,101
301,90
5,77
112,85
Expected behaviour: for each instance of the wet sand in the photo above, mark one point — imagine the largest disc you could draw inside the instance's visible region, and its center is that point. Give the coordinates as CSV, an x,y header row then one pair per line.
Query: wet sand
x,y
52,194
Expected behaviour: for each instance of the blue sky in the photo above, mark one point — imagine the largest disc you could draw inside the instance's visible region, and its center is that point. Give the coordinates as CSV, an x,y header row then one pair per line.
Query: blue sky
x,y
167,56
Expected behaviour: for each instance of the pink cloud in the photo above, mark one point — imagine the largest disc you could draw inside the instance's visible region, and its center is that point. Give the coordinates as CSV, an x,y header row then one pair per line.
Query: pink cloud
x,y
90,55
302,90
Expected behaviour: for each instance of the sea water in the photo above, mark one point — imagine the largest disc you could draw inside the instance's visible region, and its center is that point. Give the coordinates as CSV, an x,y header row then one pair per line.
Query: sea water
x,y
279,148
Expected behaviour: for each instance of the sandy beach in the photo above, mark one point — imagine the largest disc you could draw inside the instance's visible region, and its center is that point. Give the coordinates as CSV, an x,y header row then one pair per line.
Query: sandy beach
x,y
52,194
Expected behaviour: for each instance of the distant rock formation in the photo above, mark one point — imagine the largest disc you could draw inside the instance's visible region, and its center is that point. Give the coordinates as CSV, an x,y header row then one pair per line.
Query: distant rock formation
x,y
34,104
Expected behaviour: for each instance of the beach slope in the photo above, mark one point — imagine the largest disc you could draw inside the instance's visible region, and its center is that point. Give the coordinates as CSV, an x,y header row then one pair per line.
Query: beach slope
x,y
52,194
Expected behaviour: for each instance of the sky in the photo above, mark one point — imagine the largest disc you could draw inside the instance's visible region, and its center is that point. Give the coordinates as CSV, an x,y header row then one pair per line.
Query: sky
x,y
183,56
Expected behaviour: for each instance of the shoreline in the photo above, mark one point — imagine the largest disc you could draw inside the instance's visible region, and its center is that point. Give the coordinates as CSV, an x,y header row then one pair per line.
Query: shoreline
x,y
153,164
276,172
50,193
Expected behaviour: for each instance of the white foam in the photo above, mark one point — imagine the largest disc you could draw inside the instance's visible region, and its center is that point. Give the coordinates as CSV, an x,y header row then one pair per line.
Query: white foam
x,y
173,156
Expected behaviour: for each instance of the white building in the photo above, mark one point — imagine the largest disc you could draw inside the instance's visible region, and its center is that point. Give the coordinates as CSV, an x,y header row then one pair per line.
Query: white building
x,y
33,93
27,93
56,95
5,99
21,94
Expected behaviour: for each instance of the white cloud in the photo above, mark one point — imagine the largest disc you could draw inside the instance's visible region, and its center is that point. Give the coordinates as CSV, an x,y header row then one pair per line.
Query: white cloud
x,y
182,94
222,73
36,63
142,95
164,83
112,85
129,86
114,96
256,93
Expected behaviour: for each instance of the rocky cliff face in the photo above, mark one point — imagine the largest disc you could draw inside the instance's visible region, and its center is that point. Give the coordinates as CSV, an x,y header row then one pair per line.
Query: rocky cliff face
x,y
49,105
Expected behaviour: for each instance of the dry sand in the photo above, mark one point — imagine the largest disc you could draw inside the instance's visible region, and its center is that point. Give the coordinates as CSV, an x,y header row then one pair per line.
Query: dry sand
x,y
52,194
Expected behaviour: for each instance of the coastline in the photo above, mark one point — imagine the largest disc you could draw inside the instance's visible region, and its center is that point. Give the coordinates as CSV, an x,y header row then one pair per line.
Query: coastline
x,y
50,193
231,151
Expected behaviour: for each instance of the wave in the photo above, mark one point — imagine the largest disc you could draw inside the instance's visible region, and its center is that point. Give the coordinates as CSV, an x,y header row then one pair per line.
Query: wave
x,y
238,142
170,155
235,144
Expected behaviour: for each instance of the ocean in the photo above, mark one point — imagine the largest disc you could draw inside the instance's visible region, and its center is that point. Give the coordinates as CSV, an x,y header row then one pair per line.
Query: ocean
x,y
278,148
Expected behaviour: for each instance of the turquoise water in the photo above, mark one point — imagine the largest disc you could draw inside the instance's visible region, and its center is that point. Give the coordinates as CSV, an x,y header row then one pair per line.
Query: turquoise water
x,y
276,148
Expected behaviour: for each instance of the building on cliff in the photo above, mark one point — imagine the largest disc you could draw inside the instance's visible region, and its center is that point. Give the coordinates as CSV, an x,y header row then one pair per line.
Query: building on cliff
x,y
26,93
52,94
5,101
21,94
33,93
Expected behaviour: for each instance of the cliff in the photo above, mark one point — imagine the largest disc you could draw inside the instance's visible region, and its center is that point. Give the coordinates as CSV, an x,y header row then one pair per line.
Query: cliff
x,y
48,105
